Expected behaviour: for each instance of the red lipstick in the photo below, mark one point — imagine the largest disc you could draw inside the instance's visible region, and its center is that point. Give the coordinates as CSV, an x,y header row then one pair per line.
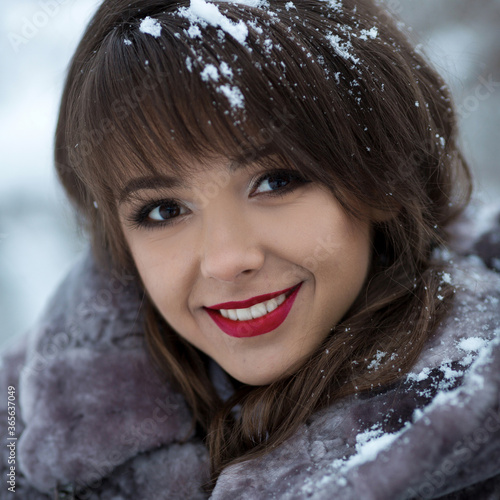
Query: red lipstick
x,y
243,304
258,326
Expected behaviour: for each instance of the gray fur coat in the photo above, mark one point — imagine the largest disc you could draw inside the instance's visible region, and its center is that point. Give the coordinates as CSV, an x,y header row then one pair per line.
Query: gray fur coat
x,y
95,420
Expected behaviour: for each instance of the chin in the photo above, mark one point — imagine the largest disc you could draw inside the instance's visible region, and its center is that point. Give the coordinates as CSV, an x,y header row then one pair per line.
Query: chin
x,y
256,380
263,378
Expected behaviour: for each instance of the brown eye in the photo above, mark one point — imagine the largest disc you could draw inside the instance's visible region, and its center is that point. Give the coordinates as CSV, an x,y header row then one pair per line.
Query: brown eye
x,y
277,182
166,211
273,182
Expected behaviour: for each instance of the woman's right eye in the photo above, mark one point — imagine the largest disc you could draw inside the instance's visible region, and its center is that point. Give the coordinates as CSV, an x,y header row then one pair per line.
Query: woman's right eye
x,y
157,214
166,211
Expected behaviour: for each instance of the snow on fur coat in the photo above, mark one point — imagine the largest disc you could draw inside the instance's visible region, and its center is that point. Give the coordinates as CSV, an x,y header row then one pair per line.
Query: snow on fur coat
x,y
95,420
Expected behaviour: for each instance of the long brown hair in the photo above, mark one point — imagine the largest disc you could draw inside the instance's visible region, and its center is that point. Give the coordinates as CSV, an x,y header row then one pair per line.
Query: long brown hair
x,y
333,88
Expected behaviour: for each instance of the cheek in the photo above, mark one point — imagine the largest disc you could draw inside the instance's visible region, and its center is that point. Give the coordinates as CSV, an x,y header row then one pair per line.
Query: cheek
x,y
328,245
166,284
340,265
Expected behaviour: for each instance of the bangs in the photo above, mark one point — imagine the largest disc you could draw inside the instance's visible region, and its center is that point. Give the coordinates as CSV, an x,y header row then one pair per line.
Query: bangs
x,y
159,90
155,103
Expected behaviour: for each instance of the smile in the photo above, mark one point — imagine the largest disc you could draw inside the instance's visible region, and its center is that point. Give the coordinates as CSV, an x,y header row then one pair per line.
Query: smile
x,y
255,316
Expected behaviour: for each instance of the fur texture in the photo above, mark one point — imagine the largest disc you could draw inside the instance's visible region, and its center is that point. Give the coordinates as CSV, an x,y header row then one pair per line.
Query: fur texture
x,y
98,421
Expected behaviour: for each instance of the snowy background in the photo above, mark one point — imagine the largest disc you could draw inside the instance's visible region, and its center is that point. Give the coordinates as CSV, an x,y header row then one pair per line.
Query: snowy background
x,y
38,240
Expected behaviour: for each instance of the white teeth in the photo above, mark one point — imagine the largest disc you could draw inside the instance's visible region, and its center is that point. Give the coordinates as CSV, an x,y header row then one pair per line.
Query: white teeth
x,y
232,314
258,310
244,314
271,305
254,312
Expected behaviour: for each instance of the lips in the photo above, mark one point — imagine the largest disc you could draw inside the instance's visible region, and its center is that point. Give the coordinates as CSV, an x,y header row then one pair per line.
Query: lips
x,y
233,318
250,302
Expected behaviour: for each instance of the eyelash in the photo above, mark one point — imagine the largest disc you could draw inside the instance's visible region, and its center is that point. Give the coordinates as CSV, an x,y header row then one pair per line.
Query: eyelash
x,y
140,218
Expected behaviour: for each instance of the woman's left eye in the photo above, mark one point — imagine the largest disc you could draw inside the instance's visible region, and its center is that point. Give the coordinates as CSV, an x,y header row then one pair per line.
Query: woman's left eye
x,y
277,182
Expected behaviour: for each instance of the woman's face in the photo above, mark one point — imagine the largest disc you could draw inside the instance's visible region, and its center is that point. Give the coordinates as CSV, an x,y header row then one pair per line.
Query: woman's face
x,y
252,266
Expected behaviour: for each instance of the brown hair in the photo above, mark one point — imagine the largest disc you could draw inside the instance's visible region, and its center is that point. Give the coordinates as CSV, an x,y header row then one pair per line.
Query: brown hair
x,y
333,88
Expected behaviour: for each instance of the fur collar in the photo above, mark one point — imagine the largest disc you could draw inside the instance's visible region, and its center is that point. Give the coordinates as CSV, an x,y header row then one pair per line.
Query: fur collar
x,y
90,397
98,415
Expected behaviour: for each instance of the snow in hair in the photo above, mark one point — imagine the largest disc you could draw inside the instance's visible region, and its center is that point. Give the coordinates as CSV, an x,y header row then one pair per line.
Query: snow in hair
x,y
201,12
249,3
151,27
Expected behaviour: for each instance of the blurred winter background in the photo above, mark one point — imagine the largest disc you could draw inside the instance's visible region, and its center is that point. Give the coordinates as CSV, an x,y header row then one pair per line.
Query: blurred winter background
x,y
38,240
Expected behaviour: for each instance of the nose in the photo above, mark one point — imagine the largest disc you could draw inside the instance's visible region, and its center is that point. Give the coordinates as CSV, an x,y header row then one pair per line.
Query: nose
x,y
230,247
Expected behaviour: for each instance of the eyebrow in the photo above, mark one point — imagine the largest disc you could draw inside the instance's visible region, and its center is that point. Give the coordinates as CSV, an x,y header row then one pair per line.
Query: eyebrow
x,y
149,182
165,181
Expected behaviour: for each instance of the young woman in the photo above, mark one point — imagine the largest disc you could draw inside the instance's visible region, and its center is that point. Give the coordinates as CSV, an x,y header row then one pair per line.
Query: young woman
x,y
269,310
